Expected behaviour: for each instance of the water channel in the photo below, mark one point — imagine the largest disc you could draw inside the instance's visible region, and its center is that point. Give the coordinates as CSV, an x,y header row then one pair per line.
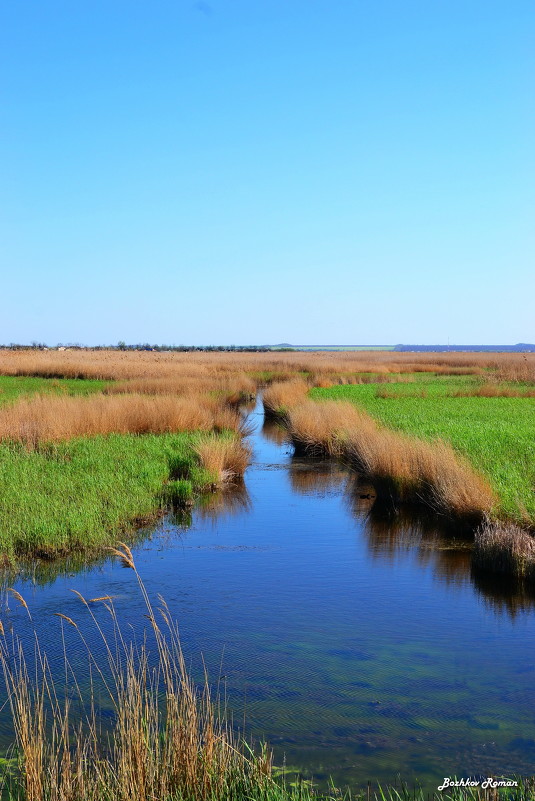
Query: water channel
x,y
357,642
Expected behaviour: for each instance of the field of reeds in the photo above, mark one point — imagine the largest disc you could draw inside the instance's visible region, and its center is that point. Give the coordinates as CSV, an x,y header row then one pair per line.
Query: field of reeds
x,y
450,430
116,365
145,730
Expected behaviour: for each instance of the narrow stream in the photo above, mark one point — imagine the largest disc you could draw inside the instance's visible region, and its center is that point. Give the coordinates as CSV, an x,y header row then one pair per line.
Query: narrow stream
x,y
358,644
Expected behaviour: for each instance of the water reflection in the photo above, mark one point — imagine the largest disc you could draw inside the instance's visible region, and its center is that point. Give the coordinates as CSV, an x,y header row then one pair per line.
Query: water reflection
x,y
274,432
231,501
315,478
45,572
397,533
356,635
504,596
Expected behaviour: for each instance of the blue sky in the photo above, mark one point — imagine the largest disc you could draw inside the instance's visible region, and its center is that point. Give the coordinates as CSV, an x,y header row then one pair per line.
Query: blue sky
x,y
233,172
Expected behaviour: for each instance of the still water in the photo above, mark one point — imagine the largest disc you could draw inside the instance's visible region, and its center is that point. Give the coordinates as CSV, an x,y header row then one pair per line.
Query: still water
x,y
358,643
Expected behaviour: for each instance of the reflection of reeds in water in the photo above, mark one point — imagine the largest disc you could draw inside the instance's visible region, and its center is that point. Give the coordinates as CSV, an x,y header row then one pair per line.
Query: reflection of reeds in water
x,y
504,595
274,432
393,533
231,501
390,534
44,572
309,478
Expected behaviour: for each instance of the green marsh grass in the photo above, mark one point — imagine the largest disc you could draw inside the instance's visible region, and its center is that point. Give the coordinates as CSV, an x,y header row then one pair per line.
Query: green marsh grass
x,y
77,494
13,387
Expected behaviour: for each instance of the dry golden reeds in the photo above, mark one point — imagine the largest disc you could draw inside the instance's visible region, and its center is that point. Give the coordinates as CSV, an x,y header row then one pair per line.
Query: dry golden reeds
x,y
225,458
166,737
491,389
232,389
323,428
282,395
117,365
50,418
505,548
405,468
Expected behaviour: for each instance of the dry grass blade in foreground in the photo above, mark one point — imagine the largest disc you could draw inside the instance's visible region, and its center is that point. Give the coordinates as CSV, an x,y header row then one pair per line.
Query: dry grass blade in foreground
x,y
167,739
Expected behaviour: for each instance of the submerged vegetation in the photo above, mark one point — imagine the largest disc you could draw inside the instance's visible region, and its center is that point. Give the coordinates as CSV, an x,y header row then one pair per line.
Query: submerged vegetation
x,y
145,730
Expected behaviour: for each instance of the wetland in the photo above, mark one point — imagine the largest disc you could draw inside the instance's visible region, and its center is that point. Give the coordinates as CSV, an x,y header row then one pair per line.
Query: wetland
x,y
357,641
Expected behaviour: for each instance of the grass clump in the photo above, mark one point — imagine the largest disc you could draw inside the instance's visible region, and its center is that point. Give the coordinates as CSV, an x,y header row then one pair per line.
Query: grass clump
x,y
505,548
46,419
402,468
283,395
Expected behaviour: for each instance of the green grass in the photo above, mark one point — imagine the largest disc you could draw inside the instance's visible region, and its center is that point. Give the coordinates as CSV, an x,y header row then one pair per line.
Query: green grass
x,y
79,494
496,434
13,387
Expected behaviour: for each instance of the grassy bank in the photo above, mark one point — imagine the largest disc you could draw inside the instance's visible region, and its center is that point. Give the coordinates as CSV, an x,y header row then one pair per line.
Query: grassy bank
x,y
78,494
496,434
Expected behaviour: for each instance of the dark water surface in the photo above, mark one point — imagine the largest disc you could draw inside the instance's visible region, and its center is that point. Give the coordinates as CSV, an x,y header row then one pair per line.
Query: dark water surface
x,y
358,644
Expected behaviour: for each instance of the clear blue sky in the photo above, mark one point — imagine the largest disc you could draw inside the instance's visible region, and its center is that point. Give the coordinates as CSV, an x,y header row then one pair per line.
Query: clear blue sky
x,y
254,171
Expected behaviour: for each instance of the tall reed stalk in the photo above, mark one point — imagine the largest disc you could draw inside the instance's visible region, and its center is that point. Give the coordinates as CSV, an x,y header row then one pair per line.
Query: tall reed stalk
x,y
168,739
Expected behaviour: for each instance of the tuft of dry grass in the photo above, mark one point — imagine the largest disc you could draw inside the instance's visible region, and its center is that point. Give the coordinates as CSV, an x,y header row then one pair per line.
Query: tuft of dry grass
x,y
49,418
232,389
322,429
505,548
225,458
167,738
492,390
282,395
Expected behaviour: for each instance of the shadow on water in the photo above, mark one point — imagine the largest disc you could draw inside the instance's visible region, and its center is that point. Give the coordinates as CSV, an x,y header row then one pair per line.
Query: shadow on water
x,y
353,636
393,533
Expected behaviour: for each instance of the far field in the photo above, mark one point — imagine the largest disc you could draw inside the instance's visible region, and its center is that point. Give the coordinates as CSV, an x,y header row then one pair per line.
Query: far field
x,y
495,433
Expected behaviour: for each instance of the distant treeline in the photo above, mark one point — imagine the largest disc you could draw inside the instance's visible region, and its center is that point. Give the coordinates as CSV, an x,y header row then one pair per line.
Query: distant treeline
x,y
147,346
521,347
